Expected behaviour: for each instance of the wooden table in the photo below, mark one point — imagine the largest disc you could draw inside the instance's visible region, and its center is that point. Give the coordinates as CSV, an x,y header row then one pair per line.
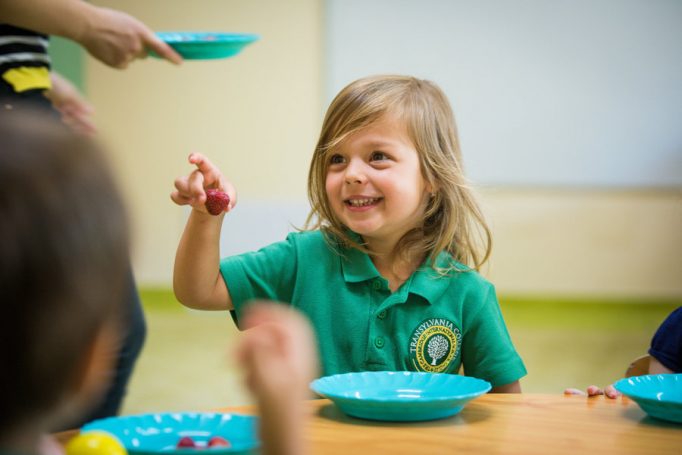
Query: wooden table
x,y
499,423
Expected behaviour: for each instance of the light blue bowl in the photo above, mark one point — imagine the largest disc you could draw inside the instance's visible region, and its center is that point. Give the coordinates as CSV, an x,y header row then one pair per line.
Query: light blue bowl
x,y
400,396
659,395
206,45
148,434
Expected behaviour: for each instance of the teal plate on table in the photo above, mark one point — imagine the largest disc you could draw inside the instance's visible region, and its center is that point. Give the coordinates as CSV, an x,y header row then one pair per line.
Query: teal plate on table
x,y
148,434
206,45
659,395
400,396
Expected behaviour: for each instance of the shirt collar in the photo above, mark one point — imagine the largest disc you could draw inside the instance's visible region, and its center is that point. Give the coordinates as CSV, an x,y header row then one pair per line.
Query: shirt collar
x,y
357,266
425,281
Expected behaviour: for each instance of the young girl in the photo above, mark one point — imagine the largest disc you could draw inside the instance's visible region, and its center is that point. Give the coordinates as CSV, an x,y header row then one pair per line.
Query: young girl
x,y
386,271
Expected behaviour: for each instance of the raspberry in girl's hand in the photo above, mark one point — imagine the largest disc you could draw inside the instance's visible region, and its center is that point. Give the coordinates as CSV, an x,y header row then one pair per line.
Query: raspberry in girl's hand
x,y
216,201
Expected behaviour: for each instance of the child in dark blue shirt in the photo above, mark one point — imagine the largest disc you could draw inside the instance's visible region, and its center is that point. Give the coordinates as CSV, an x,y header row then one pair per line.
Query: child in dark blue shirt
x,y
666,346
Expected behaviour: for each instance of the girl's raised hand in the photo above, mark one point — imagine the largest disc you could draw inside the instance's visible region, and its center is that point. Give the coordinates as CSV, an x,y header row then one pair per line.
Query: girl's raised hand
x,y
191,189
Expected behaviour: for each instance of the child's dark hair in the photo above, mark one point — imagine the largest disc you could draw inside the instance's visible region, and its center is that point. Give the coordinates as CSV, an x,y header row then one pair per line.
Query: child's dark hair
x,y
64,259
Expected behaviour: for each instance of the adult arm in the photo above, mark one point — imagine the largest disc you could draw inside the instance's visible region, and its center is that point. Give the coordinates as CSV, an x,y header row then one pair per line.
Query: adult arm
x,y
113,37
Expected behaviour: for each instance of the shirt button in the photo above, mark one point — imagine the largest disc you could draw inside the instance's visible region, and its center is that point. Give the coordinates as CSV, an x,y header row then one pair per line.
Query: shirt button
x,y
382,315
376,285
379,342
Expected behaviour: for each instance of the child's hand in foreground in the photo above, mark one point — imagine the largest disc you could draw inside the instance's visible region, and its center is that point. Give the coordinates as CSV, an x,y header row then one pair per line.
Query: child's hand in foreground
x,y
609,391
279,356
192,189
277,352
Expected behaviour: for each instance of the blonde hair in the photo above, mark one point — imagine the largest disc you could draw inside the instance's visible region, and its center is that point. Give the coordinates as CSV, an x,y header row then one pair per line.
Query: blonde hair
x,y
453,221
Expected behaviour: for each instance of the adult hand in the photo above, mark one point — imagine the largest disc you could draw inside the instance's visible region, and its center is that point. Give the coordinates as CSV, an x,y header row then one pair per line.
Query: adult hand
x,y
116,39
75,110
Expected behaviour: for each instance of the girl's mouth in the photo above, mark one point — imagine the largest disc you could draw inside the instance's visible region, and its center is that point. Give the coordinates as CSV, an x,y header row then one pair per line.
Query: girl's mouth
x,y
364,202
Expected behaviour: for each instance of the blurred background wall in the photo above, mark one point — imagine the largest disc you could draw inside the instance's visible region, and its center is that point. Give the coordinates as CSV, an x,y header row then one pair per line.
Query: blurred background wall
x,y
568,218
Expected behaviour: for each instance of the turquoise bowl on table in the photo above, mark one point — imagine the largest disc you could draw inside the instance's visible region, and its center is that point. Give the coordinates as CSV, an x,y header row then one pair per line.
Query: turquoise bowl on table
x,y
400,396
659,395
206,45
149,434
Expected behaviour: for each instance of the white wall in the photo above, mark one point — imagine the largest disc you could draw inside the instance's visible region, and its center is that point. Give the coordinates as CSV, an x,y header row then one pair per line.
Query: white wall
x,y
546,92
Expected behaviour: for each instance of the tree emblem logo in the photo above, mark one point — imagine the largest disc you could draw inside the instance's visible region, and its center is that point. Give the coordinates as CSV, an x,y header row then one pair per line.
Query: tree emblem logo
x,y
434,344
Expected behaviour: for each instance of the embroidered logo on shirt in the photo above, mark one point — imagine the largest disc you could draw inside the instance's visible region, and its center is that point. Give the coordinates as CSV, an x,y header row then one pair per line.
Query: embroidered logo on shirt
x,y
434,344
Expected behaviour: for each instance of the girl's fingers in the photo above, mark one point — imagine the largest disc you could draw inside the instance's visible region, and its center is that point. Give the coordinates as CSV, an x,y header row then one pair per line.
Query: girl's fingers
x,y
212,175
195,183
182,185
183,191
179,198
201,162
227,187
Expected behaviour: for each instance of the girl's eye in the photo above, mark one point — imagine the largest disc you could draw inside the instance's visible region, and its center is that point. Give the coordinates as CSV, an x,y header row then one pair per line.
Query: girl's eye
x,y
378,156
336,159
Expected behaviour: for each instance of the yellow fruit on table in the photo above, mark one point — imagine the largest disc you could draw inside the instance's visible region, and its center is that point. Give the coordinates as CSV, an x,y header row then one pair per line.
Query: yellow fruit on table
x,y
95,443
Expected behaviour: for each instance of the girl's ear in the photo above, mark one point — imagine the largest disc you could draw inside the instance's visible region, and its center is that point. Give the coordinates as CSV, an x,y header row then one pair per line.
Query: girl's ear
x,y
431,188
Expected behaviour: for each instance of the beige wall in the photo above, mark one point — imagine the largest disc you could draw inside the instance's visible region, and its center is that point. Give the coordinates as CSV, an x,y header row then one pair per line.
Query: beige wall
x,y
586,243
257,116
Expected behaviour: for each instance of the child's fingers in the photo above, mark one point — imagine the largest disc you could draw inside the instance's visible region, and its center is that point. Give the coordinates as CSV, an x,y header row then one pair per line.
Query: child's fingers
x,y
180,199
195,186
183,194
201,162
572,391
212,175
181,185
611,392
593,390
227,187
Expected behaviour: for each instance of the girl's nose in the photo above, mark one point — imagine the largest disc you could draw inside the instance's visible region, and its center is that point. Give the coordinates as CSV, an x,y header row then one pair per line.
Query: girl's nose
x,y
354,173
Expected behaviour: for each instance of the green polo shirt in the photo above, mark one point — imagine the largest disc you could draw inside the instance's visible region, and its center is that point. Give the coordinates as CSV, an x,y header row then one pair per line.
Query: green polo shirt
x,y
431,323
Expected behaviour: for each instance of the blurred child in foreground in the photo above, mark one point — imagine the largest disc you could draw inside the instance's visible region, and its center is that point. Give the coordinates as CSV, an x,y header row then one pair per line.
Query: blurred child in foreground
x,y
63,269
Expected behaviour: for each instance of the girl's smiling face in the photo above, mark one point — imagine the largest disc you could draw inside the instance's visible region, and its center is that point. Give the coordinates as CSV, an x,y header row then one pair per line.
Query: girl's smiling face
x,y
374,183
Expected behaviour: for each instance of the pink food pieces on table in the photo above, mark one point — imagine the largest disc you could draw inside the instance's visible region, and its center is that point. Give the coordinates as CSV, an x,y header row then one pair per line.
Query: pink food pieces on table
x,y
186,442
217,441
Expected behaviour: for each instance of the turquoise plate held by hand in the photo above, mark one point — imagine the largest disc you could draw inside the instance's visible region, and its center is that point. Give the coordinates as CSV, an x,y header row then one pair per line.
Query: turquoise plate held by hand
x,y
206,45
